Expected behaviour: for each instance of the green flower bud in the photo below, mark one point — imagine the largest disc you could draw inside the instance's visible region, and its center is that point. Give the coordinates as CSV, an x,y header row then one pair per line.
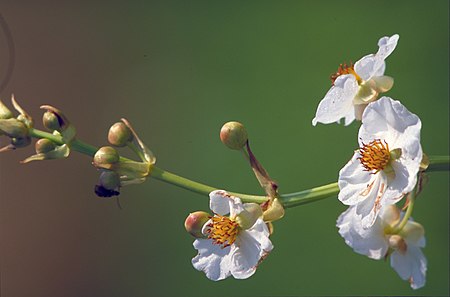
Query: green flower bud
x,y
13,128
54,119
119,134
233,135
23,115
194,223
109,180
43,146
51,121
5,113
105,157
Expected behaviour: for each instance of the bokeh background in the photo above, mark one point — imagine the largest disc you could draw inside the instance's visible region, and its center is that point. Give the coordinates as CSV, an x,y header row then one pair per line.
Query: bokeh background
x,y
178,70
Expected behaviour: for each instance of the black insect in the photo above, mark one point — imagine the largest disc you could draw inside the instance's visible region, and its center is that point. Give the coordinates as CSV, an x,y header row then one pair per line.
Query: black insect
x,y
101,191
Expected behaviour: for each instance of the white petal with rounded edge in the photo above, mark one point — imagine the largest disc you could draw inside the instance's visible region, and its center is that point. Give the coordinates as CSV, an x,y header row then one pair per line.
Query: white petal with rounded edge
x,y
387,45
223,203
370,242
364,67
214,261
411,266
352,181
374,65
389,120
252,245
338,102
219,202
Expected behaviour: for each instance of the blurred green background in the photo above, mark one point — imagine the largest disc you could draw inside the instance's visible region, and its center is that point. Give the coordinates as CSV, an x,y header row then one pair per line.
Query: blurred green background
x,y
178,70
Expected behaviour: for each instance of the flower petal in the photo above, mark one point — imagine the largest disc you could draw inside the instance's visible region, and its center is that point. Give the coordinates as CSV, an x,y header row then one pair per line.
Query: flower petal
x,y
352,181
371,205
251,247
411,266
338,102
366,67
370,241
213,260
374,65
223,203
389,120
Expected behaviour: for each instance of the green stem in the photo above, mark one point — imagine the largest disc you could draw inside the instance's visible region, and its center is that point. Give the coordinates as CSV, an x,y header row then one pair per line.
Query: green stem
x,y
411,199
437,163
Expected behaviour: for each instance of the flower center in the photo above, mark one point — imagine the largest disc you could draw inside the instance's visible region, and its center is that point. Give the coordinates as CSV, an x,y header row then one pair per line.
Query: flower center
x,y
345,69
222,230
374,155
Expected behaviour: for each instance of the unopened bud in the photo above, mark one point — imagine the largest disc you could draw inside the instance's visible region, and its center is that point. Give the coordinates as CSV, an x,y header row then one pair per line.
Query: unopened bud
x,y
5,113
51,121
44,145
233,135
110,180
21,142
194,223
119,134
106,156
397,243
59,122
13,128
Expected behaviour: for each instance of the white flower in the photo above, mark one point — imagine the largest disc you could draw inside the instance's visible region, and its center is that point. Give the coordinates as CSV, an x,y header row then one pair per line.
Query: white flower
x,y
355,86
235,244
404,248
385,167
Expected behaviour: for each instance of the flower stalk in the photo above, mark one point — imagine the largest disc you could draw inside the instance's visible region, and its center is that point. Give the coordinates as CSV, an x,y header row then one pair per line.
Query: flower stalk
x,y
437,163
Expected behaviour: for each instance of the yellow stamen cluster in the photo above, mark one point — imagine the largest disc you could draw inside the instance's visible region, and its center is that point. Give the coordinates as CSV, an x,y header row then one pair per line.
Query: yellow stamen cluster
x,y
222,230
374,155
345,69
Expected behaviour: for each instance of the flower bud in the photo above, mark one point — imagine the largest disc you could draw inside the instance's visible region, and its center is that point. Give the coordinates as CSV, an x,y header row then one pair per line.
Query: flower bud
x,y
23,115
106,156
233,135
54,119
119,134
109,180
20,142
51,121
5,113
44,145
194,223
13,128
397,243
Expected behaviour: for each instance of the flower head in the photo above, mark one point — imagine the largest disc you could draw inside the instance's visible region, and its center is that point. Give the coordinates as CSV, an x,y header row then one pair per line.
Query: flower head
x,y
236,239
378,242
385,167
356,85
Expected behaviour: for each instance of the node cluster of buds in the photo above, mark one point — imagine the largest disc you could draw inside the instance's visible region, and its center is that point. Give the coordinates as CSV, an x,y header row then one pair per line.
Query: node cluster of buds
x,y
116,171
16,128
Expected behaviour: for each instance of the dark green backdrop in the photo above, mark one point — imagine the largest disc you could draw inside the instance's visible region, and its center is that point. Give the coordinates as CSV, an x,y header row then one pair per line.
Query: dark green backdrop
x,y
178,70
